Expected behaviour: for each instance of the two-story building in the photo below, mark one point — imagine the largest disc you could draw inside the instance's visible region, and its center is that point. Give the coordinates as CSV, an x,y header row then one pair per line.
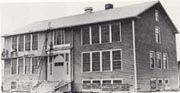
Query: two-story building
x,y
131,48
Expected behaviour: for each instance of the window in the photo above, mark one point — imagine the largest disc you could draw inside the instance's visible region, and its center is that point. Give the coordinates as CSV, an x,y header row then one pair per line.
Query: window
x,y
96,84
166,81
159,60
85,35
21,43
106,82
13,85
115,28
50,61
35,65
157,32
20,66
117,82
95,33
13,66
35,41
67,63
27,65
86,84
86,62
116,56
160,82
165,60
96,61
106,61
27,42
14,42
152,59
105,33
157,15
59,37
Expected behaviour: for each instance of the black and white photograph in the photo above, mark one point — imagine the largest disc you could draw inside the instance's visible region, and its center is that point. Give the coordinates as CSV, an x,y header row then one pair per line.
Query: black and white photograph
x,y
90,46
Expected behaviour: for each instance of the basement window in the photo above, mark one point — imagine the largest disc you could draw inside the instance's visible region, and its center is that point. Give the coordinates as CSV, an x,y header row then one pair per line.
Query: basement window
x,y
59,64
13,85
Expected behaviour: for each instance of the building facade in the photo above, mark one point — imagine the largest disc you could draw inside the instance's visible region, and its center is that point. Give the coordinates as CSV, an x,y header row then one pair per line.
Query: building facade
x,y
130,48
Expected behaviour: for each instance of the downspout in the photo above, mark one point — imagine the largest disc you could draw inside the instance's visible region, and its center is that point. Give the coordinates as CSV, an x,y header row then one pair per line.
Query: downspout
x,y
134,56
72,61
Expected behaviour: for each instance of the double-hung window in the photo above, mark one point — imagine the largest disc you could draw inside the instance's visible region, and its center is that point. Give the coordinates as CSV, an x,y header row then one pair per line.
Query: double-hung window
x,y
157,15
14,42
105,33
95,33
27,65
13,66
21,43
85,35
35,41
86,62
35,64
59,37
152,59
159,60
106,62
20,66
27,42
157,34
116,57
115,30
165,60
96,61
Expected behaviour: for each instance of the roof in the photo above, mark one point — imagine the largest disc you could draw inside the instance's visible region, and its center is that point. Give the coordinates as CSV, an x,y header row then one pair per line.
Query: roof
x,y
87,18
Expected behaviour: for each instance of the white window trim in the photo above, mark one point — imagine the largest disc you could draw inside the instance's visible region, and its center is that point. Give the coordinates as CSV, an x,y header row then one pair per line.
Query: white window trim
x,y
81,37
111,60
157,28
62,31
154,59
120,31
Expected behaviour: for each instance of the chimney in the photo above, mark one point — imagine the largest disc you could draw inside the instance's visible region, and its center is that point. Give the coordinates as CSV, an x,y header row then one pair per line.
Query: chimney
x,y
88,9
108,6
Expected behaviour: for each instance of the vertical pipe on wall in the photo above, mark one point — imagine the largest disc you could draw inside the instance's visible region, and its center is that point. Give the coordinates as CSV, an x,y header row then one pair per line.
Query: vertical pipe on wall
x,y
134,56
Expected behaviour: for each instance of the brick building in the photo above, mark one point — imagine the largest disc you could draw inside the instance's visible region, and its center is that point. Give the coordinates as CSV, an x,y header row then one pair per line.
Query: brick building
x,y
131,48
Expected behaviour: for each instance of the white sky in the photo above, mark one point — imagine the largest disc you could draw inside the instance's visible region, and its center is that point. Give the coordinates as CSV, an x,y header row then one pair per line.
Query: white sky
x,y
18,14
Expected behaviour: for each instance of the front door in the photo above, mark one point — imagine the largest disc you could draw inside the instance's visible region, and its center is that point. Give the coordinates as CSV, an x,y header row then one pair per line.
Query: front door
x,y
60,68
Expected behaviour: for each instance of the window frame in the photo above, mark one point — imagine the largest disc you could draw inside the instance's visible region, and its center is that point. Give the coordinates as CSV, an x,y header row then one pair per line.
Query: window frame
x,y
120,30
16,67
156,14
101,70
21,48
28,44
120,59
32,45
153,58
14,44
164,66
157,63
158,34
